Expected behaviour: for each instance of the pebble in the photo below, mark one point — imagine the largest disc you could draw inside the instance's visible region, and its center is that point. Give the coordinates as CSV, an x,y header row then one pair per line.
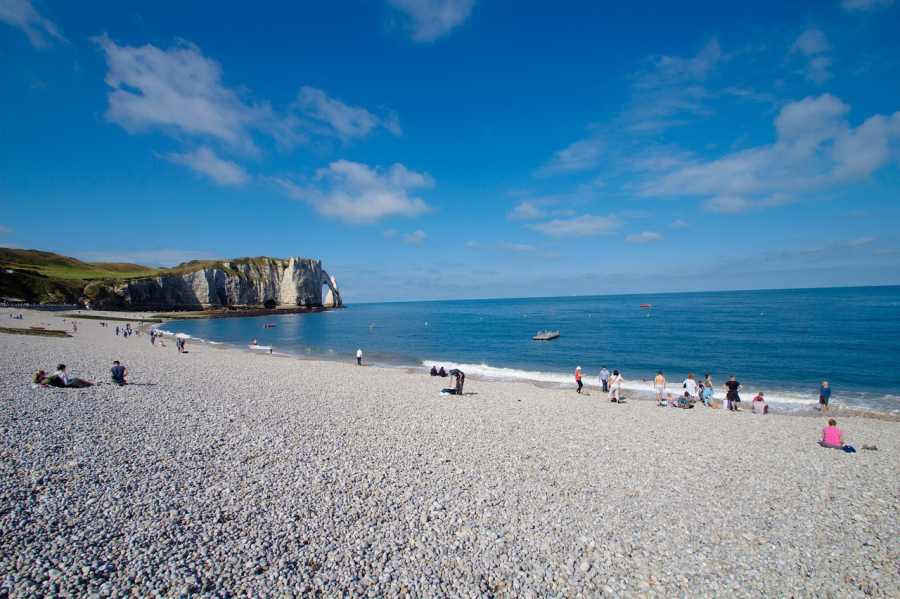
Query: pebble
x,y
228,474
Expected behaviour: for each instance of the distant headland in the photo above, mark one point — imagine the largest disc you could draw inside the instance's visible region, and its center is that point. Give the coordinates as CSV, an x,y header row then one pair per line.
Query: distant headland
x,y
240,285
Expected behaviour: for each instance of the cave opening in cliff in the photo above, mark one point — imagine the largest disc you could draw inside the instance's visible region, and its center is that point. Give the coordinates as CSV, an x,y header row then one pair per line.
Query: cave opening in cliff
x,y
269,304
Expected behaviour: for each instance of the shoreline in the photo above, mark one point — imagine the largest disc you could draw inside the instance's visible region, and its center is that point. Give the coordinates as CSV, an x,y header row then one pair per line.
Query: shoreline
x,y
225,473
635,390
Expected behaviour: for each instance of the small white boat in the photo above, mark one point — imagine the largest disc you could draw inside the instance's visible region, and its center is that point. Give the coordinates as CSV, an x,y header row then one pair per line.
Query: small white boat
x,y
546,335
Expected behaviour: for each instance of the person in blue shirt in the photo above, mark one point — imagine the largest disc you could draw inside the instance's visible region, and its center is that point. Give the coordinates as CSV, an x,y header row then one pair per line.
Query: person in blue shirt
x,y
118,373
824,396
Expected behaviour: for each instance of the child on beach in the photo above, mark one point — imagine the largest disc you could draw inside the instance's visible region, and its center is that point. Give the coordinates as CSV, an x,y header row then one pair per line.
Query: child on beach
x,y
832,436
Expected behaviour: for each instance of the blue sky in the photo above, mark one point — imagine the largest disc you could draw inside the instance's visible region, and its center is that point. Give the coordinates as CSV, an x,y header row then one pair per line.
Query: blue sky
x,y
445,149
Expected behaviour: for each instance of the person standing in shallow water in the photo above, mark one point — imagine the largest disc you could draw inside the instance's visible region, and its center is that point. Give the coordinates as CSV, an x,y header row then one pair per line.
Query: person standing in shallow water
x,y
824,397
660,384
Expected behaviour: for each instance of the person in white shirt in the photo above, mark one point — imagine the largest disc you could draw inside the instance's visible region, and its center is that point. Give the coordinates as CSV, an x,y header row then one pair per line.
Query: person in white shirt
x,y
690,385
615,381
68,381
359,357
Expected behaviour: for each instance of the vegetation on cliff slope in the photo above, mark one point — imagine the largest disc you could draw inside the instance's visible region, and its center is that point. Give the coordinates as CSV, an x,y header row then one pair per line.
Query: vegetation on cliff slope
x,y
43,277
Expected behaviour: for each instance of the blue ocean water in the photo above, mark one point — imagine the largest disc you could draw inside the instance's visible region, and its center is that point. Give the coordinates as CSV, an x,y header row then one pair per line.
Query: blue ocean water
x,y
782,342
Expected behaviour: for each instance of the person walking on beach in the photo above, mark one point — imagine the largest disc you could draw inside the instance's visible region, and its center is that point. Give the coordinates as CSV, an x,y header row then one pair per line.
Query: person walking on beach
x,y
359,357
270,348
578,379
604,378
734,400
660,384
824,397
615,381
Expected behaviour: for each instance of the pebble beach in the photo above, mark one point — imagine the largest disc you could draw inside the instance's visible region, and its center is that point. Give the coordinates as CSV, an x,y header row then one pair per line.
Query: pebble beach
x,y
223,473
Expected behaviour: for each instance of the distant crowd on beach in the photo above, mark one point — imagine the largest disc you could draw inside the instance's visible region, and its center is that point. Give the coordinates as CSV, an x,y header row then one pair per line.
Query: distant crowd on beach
x,y
693,392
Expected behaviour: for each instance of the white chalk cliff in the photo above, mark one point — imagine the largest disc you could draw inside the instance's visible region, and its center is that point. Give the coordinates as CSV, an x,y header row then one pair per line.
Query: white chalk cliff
x,y
242,283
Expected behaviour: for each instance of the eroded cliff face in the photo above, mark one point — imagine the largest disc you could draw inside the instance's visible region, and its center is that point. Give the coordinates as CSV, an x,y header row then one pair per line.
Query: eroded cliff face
x,y
258,282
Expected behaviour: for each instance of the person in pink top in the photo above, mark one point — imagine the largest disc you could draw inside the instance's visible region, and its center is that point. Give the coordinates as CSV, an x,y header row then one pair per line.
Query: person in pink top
x,y
832,436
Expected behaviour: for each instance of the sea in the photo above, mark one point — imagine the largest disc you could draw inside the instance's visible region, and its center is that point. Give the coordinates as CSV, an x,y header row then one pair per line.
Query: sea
x,y
783,343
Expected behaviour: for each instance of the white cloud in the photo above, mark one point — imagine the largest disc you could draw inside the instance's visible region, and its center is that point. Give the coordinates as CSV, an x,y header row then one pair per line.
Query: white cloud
x,y
678,224
180,92
162,256
645,237
525,211
21,14
431,19
5,231
389,233
815,147
579,156
473,245
204,161
354,193
346,122
811,42
416,238
586,225
865,4
177,90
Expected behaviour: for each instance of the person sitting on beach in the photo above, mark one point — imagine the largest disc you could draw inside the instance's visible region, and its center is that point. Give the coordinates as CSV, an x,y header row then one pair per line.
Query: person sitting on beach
x,y
685,401
68,381
832,436
434,371
442,372
759,404
670,401
43,378
117,374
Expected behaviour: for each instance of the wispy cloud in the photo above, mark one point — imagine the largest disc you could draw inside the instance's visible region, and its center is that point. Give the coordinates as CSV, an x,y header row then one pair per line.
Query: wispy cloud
x,y
160,256
852,5
23,15
579,156
674,87
415,238
204,161
431,19
522,251
678,224
526,211
812,44
341,120
5,230
586,225
354,193
645,237
815,147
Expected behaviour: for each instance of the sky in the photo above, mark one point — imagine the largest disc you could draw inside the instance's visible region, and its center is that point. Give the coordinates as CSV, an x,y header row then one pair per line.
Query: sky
x,y
461,149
